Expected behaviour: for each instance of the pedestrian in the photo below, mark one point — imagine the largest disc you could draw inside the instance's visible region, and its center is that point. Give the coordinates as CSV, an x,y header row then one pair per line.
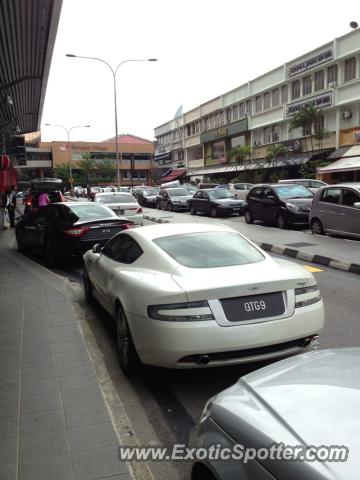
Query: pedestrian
x,y
11,204
43,200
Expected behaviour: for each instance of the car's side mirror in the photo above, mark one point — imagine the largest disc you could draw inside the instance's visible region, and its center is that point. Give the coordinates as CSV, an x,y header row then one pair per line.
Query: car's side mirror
x,y
97,248
356,205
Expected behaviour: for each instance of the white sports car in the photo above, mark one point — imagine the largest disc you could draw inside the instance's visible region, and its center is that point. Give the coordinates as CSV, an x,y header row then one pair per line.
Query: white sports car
x,y
190,295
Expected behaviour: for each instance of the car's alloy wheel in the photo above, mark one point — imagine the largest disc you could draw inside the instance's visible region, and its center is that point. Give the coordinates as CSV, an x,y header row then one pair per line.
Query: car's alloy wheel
x,y
192,211
281,221
129,360
88,289
316,227
248,217
213,213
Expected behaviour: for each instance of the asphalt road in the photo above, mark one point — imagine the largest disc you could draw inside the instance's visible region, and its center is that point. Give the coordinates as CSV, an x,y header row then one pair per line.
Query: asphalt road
x,y
164,405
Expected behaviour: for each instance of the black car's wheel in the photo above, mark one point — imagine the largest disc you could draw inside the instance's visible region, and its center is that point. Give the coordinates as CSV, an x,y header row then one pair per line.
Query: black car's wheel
x,y
129,359
88,288
213,212
248,217
192,210
317,227
281,221
50,255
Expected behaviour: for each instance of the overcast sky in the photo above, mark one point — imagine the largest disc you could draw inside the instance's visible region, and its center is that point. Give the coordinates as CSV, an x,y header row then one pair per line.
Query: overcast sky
x,y
204,48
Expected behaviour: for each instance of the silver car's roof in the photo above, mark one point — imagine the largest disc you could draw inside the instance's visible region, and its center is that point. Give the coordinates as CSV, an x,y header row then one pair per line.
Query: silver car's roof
x,y
309,399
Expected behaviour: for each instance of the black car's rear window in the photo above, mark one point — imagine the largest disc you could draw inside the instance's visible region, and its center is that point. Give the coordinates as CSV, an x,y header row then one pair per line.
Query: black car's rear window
x,y
91,211
209,249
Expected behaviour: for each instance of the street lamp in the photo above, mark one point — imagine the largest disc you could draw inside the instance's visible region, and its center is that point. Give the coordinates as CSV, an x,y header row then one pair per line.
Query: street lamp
x,y
68,130
114,72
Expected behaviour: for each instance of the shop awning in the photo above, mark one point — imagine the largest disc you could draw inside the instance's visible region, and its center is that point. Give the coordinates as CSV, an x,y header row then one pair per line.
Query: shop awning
x,y
174,175
254,165
351,151
345,164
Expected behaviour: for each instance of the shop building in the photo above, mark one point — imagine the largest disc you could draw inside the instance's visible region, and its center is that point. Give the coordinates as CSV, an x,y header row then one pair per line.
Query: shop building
x,y
259,114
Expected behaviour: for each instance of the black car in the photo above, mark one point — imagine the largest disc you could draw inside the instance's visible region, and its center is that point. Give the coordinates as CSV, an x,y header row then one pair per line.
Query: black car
x,y
173,199
65,230
280,205
146,197
216,202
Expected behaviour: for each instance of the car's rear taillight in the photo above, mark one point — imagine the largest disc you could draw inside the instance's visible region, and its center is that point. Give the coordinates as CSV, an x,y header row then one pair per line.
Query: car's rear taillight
x,y
139,210
28,202
126,226
76,232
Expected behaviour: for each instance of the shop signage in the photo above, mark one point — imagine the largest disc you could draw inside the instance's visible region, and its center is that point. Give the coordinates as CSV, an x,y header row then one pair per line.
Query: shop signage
x,y
357,135
318,102
310,62
220,132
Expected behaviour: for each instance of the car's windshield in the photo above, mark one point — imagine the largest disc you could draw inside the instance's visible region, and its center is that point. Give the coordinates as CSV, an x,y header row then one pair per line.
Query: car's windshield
x,y
293,191
91,211
209,249
178,192
149,193
115,198
221,193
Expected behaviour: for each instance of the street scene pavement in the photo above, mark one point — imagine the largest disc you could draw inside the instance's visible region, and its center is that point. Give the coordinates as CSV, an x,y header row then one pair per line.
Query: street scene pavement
x,y
160,407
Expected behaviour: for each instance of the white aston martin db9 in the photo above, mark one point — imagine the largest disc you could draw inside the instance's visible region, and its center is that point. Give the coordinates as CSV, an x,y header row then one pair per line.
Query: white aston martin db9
x,y
190,295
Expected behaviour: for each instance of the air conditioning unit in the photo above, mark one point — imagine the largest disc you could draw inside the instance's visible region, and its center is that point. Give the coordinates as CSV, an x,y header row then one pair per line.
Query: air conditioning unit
x,y
332,84
346,114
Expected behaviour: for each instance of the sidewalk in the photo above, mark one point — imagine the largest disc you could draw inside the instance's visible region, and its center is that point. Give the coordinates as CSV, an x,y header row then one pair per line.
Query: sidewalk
x,y
54,424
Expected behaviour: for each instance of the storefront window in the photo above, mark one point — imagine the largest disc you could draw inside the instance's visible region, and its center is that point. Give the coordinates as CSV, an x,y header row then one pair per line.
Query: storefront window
x,y
332,74
350,69
295,89
242,110
319,80
258,103
275,97
284,94
307,85
266,100
218,151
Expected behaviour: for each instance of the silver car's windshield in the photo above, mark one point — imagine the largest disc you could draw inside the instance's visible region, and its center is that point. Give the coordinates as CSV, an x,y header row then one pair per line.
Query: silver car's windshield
x,y
209,249
115,198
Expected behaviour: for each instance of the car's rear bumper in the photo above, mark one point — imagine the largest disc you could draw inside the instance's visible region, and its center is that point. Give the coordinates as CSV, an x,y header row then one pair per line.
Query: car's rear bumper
x,y
180,344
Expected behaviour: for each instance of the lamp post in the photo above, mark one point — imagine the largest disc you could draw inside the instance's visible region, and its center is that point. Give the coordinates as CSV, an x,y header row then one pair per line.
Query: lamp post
x,y
114,72
68,130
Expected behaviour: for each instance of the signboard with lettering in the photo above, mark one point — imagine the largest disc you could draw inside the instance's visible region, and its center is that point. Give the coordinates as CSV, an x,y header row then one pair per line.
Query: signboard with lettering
x,y
318,102
310,62
357,135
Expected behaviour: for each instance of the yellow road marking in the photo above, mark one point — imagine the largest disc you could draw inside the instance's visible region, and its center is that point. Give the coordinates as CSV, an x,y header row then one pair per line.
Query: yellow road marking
x,y
312,269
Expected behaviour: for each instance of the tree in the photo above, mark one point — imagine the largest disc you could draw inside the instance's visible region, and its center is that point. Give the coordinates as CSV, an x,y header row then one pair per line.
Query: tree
x,y
276,150
87,167
62,171
107,168
306,118
240,154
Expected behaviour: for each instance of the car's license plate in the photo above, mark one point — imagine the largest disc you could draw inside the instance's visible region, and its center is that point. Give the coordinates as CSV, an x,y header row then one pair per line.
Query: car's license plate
x,y
236,209
253,307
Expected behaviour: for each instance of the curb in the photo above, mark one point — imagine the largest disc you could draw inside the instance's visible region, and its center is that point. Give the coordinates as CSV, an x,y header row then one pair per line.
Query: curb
x,y
294,253
319,259
157,220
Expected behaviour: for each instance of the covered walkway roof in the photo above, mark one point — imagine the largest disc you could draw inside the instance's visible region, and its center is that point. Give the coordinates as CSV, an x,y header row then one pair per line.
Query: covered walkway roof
x,y
27,36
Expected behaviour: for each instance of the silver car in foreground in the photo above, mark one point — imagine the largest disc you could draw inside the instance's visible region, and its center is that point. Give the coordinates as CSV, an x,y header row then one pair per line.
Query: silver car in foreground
x,y
123,204
336,209
310,400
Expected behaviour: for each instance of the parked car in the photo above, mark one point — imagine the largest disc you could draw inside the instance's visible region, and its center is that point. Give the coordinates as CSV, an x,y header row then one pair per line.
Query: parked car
x,y
240,189
336,209
173,199
192,295
65,230
51,186
146,196
216,202
306,401
123,204
280,205
309,183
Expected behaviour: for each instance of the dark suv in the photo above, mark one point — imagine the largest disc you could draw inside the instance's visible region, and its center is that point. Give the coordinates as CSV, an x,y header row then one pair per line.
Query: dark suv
x,y
280,205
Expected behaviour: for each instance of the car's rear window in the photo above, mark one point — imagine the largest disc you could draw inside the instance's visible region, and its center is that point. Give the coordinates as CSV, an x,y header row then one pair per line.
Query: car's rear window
x,y
91,211
115,198
209,249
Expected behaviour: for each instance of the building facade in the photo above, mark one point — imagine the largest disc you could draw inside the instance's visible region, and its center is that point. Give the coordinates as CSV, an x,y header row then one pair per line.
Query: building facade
x,y
259,114
135,154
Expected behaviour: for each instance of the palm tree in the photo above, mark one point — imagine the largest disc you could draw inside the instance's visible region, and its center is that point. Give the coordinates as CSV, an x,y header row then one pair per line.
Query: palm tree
x,y
240,154
276,150
87,166
306,118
